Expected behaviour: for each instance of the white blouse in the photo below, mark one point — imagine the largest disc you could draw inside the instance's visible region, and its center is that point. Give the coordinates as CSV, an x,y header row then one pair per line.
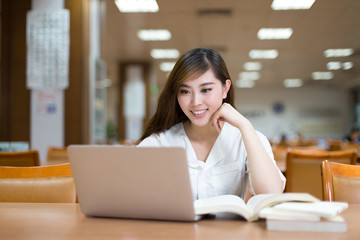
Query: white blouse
x,y
226,169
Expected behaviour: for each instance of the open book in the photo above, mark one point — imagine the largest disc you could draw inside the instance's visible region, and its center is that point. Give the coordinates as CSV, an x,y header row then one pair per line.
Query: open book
x,y
249,211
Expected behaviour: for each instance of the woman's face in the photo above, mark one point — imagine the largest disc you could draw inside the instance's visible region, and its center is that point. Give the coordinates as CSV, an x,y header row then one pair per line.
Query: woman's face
x,y
201,97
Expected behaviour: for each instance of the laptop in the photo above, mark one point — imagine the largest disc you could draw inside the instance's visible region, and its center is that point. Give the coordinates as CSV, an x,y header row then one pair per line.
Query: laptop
x,y
132,182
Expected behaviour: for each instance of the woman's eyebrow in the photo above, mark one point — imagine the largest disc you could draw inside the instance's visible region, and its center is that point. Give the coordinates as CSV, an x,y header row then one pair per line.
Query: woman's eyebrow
x,y
201,85
207,83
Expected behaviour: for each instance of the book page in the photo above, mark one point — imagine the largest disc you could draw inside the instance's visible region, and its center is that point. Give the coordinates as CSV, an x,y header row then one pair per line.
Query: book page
x,y
261,201
223,203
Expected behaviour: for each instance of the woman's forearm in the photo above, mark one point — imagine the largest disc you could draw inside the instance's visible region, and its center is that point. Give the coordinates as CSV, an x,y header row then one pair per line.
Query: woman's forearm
x,y
265,177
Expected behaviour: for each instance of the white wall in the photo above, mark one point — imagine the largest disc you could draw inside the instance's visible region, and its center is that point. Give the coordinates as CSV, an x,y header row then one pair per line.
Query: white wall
x,y
315,112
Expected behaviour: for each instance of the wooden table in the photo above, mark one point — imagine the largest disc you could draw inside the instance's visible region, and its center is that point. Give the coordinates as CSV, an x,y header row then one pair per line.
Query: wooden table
x,y
65,221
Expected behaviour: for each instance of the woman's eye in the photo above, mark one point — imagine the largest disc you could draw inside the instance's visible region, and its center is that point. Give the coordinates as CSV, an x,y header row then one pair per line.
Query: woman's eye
x,y
184,91
206,90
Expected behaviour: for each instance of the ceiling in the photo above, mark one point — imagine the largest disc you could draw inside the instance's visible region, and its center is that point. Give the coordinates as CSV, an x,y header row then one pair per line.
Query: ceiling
x,y
327,24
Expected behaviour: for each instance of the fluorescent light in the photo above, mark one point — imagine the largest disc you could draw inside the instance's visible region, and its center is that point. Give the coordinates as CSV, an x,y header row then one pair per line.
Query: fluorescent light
x,y
263,54
293,82
322,75
165,53
245,83
252,66
339,65
333,65
167,66
137,5
274,33
340,52
249,75
347,65
154,35
291,4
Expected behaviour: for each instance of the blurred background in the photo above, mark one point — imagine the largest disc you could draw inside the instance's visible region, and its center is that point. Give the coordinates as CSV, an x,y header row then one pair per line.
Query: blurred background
x,y
295,68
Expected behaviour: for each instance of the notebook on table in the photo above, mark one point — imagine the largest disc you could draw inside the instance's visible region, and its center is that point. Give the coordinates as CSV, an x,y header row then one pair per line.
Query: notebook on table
x,y
132,182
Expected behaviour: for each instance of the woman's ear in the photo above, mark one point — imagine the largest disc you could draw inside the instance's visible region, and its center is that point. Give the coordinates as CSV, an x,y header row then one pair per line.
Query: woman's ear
x,y
226,88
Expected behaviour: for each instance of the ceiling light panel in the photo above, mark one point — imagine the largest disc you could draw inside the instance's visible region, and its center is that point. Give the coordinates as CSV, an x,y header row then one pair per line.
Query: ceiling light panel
x,y
263,54
347,65
253,76
252,66
293,82
333,65
291,4
274,33
165,53
245,83
322,75
339,52
154,34
137,5
167,66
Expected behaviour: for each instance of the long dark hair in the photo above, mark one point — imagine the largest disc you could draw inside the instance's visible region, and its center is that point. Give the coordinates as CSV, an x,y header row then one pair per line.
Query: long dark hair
x,y
193,63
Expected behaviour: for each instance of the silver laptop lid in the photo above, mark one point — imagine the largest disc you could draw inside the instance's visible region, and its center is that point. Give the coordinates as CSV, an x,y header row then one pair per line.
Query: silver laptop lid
x,y
132,182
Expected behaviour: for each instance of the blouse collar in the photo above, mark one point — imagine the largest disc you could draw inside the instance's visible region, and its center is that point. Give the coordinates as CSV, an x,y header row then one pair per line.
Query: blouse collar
x,y
216,153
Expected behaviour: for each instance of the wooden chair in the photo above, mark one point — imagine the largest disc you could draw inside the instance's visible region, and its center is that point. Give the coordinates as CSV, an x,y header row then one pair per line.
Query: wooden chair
x,y
20,159
280,154
303,169
57,155
335,144
347,146
45,184
340,182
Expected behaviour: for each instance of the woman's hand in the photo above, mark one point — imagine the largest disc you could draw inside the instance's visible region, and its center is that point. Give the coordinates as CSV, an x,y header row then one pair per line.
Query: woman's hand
x,y
227,113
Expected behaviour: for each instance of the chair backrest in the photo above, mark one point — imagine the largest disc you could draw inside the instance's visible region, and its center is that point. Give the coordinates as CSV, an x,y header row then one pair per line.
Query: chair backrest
x,y
47,184
57,155
335,144
348,146
20,159
340,182
280,154
303,168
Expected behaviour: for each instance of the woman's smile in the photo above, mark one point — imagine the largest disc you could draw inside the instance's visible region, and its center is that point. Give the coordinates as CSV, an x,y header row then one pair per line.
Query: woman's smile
x,y
199,113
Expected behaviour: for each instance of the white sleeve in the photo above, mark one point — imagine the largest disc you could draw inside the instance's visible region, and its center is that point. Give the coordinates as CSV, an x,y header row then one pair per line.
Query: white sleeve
x,y
155,140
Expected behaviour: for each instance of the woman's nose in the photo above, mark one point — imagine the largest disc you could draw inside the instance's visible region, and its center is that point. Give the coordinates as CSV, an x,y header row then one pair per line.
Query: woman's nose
x,y
196,99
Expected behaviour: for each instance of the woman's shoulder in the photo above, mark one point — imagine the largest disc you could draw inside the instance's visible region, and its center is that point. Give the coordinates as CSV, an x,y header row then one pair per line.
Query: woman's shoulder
x,y
176,134
177,129
151,141
167,138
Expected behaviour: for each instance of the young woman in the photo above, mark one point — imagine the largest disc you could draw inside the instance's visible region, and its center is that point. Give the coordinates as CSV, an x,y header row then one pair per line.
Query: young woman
x,y
224,150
